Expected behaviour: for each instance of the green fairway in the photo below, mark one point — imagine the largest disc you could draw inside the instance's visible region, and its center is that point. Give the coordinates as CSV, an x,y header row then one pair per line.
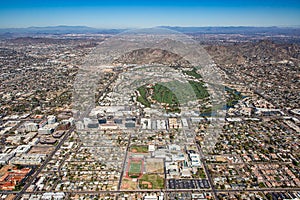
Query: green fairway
x,y
143,96
193,73
163,94
199,89
171,94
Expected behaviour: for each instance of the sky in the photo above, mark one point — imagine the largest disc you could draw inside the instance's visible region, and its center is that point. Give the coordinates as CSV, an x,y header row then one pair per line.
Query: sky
x,y
143,14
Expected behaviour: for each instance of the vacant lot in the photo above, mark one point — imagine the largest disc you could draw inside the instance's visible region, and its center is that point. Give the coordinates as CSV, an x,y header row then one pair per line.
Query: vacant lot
x,y
154,165
128,184
41,150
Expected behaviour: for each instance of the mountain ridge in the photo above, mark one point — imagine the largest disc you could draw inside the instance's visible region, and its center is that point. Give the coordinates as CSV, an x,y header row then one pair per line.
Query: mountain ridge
x,y
178,28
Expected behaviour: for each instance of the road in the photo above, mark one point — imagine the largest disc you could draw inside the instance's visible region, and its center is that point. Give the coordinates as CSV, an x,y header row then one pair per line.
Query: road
x,y
207,172
168,191
124,162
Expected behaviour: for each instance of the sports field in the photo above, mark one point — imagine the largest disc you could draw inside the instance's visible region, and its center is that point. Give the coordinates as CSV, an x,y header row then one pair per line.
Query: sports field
x,y
135,169
139,149
151,181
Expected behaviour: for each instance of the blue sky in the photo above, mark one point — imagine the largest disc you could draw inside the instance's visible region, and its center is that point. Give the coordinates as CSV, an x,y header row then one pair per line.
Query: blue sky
x,y
138,14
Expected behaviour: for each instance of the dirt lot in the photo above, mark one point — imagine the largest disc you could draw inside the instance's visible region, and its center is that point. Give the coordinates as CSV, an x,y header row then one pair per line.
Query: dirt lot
x,y
41,150
154,165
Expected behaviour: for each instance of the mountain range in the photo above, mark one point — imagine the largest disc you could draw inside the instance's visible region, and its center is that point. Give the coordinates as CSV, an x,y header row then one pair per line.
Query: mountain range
x,y
60,30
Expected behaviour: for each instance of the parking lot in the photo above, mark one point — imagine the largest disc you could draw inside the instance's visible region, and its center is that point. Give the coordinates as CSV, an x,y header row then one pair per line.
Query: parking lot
x,y
187,183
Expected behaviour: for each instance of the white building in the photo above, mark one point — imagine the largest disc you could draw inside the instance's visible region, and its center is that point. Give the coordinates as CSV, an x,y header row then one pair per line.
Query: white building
x,y
184,123
161,124
195,160
150,197
4,158
22,149
174,147
72,121
79,125
51,119
109,126
35,141
146,123
178,157
151,148
172,169
31,127
28,159
29,136
197,119
186,173
48,129
52,195
44,131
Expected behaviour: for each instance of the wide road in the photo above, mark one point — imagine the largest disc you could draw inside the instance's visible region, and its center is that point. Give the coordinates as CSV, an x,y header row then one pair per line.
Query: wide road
x,y
124,163
206,171
168,191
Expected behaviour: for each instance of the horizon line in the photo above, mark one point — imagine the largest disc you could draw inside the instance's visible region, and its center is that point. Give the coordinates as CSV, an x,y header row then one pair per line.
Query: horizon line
x,y
172,26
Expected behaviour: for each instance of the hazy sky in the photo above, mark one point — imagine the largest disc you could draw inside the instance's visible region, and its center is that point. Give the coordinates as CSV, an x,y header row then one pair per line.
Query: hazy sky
x,y
138,13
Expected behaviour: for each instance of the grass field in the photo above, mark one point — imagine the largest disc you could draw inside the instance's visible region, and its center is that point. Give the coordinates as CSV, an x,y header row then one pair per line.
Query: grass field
x,y
139,149
135,169
151,181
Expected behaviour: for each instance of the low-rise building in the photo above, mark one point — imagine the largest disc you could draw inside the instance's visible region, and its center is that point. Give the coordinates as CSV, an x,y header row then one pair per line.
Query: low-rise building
x,y
5,157
195,160
54,196
51,119
28,159
48,129
31,127
22,149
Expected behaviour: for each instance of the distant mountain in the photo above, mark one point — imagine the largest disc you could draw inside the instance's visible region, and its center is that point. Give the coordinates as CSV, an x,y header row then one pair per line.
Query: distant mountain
x,y
254,52
150,56
59,30
237,30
